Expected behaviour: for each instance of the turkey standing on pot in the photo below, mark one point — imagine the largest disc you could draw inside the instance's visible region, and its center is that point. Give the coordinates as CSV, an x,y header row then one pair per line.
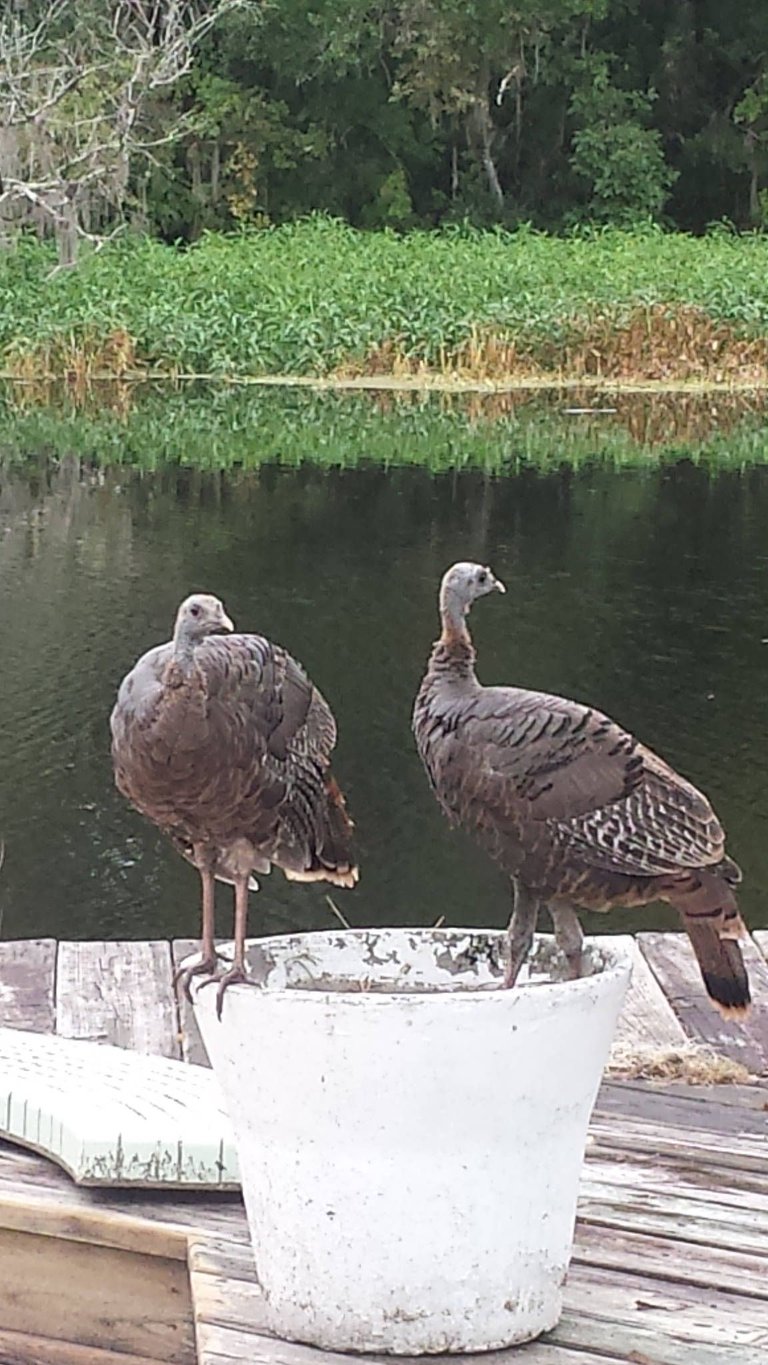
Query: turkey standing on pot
x,y
576,811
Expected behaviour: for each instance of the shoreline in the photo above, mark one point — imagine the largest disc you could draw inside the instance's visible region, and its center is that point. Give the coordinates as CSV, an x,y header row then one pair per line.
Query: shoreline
x,y
426,383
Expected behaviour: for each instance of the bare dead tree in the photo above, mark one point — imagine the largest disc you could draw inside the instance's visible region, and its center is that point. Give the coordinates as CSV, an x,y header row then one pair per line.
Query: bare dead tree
x,y
76,84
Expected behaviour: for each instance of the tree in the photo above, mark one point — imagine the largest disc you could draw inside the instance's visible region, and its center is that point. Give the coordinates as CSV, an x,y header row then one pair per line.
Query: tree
x,y
79,85
614,151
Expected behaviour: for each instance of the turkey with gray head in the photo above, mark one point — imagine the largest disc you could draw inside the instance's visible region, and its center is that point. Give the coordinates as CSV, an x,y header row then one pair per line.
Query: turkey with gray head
x,y
224,743
571,806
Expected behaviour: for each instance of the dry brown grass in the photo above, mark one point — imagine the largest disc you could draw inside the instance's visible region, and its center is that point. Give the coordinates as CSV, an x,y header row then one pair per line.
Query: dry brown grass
x,y
692,1063
75,360
661,343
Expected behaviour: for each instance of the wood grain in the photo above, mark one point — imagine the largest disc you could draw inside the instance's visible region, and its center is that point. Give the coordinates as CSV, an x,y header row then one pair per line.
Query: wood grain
x,y
219,1345
701,1317
117,993
673,962
21,1348
96,1296
97,1227
641,1139
27,972
647,1019
638,1342
706,1266
712,1110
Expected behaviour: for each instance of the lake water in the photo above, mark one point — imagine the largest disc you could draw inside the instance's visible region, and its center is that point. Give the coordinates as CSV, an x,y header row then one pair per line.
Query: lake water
x,y
637,584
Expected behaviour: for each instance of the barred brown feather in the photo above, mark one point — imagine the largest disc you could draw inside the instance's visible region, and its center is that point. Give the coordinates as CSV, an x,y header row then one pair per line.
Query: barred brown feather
x,y
571,805
225,745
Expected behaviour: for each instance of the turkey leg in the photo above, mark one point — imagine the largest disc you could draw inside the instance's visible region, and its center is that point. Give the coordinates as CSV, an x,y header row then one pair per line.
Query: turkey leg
x,y
208,956
568,937
237,973
520,931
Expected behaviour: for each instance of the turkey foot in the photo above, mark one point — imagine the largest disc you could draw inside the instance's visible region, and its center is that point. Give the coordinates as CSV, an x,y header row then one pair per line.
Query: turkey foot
x,y
236,976
207,966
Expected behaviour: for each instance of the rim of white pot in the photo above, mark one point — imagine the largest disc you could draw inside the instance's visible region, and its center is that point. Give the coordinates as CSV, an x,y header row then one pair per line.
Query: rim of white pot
x,y
608,956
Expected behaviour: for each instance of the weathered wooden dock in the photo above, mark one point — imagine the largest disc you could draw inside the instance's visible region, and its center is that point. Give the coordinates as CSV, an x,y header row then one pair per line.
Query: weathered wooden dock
x,y
671,1259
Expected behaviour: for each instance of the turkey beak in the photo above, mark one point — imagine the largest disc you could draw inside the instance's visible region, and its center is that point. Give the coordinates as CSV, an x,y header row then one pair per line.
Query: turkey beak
x,y
225,623
498,585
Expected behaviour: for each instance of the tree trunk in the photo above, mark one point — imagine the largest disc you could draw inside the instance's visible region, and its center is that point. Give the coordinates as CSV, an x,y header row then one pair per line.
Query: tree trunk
x,y
65,229
482,127
215,171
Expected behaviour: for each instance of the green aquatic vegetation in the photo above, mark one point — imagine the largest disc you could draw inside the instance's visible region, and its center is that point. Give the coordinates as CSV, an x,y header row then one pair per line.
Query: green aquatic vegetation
x,y
208,428
317,297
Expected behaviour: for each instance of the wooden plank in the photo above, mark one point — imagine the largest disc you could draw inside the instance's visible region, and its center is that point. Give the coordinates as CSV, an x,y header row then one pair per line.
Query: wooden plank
x,y
229,1315
96,1296
697,1109
19,1348
641,1343
662,1181
751,1094
97,1226
219,1345
192,1046
27,972
740,1186
118,993
647,1020
682,1222
223,1216
674,964
632,1136
710,1315
761,939
607,1317
210,1255
612,1249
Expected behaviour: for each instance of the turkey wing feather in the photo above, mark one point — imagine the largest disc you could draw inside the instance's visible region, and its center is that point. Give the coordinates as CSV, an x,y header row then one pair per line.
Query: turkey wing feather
x,y
612,801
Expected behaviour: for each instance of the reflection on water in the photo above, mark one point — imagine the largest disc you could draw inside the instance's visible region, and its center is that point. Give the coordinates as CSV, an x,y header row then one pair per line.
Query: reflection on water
x,y
643,591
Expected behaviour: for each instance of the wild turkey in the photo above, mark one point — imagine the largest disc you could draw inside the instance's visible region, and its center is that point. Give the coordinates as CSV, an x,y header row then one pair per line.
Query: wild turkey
x,y
225,744
574,809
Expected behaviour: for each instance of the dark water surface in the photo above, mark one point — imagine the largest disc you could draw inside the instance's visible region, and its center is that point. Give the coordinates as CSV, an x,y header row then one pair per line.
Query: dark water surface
x,y
643,591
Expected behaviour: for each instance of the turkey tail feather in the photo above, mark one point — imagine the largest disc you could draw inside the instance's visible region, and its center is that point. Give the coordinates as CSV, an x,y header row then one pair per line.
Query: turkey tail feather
x,y
722,966
333,860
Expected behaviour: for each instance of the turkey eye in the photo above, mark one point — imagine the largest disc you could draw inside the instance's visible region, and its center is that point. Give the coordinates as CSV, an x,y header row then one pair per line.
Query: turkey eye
x,y
195,611
482,577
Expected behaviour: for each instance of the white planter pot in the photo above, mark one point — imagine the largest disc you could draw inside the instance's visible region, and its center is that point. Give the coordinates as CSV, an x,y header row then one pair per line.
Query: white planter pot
x,y
410,1151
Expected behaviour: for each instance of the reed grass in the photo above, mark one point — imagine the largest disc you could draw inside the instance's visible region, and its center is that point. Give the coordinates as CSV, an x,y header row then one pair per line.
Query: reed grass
x,y
319,298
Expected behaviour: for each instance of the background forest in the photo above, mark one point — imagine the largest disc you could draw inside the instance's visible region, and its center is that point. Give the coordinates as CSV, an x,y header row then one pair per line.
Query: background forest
x,y
387,113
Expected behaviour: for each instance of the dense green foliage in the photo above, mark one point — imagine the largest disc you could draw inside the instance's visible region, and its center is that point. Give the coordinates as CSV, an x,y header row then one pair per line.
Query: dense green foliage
x,y
214,429
413,112
304,298
401,113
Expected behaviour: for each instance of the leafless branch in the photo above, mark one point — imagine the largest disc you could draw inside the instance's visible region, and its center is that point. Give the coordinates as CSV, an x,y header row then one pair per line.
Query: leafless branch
x,y
73,100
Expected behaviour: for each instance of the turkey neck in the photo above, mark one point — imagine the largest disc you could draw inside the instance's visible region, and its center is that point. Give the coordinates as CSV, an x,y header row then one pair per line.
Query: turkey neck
x,y
183,661
453,655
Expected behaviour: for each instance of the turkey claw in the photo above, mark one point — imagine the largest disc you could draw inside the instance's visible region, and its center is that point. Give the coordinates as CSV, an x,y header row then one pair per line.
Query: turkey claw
x,y
236,976
208,965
